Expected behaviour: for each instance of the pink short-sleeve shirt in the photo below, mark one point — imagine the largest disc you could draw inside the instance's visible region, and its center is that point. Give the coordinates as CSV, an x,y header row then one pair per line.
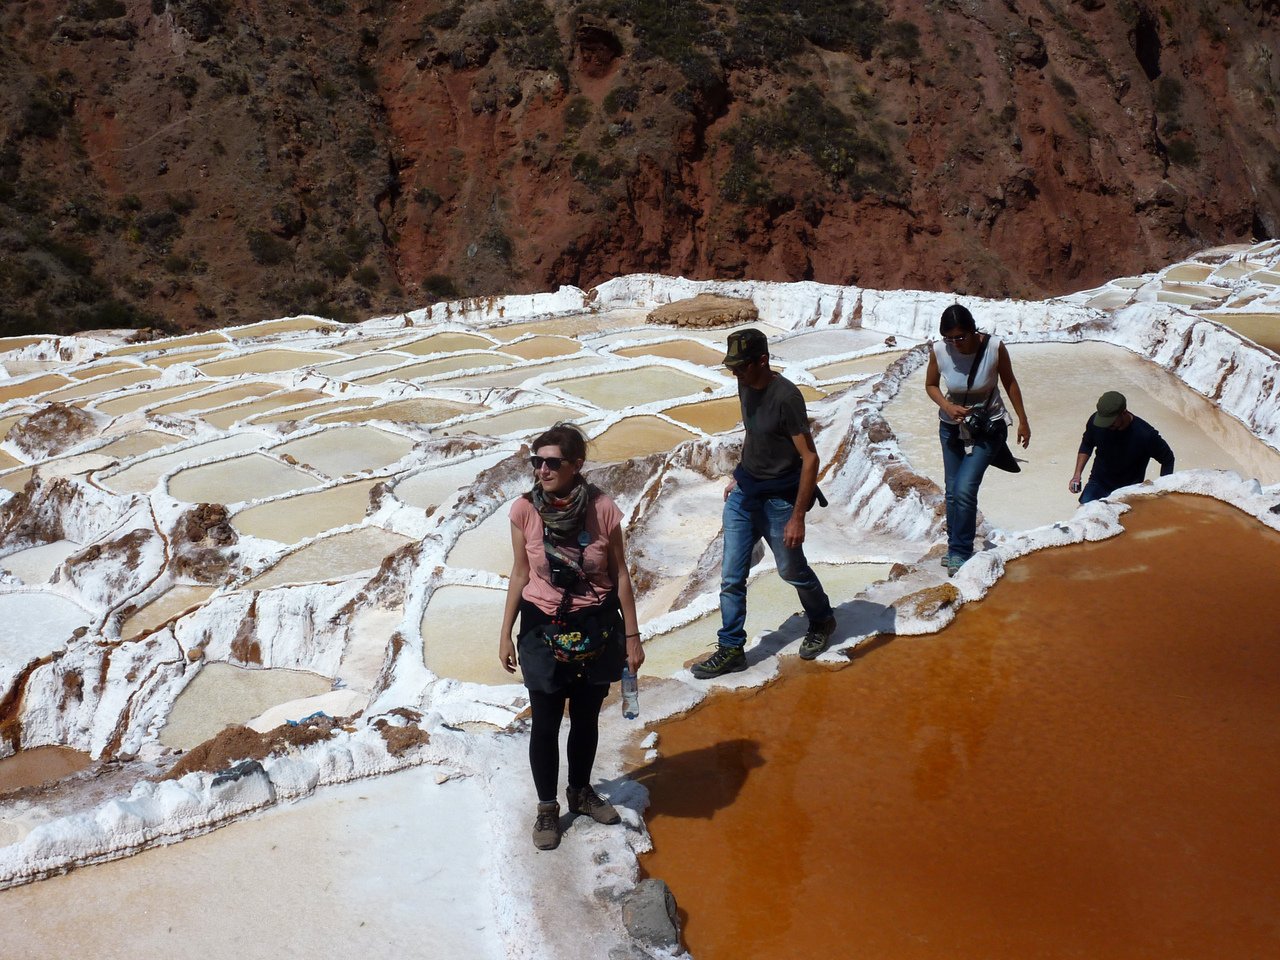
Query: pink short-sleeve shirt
x,y
603,517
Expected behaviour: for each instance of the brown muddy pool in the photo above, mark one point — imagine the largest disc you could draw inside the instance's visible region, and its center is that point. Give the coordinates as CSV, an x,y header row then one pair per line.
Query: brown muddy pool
x,y
1084,764
30,768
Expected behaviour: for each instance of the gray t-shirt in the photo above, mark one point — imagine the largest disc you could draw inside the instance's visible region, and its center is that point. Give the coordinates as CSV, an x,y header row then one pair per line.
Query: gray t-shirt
x,y
772,416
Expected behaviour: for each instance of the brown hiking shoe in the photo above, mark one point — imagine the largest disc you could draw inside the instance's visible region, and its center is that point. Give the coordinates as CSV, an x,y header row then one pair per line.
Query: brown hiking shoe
x,y
585,800
546,829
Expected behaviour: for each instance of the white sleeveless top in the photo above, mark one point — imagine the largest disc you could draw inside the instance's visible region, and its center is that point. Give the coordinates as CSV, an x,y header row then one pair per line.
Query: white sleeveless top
x,y
954,367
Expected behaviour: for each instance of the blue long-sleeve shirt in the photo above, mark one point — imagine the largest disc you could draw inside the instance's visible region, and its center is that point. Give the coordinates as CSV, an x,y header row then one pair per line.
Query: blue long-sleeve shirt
x,y
1121,456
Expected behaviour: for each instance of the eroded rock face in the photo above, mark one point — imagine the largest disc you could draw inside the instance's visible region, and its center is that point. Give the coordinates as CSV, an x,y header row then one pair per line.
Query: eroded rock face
x,y
51,430
704,311
200,541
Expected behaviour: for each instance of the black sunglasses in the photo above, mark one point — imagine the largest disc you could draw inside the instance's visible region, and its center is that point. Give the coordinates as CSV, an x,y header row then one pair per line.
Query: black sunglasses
x,y
555,463
957,338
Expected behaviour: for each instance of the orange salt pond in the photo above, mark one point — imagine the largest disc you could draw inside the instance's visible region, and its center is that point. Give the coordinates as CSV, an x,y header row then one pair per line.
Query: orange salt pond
x,y
637,437
1083,764
691,350
30,768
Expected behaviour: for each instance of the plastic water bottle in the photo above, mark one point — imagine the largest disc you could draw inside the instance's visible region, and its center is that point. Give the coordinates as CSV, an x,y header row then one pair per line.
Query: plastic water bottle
x,y
630,694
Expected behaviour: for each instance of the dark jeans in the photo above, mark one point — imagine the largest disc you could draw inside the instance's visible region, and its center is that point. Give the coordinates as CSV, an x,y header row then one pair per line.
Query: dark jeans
x,y
1095,490
584,701
964,470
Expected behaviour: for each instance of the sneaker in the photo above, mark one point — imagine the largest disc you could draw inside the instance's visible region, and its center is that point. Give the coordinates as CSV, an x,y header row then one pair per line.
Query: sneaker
x,y
954,563
724,660
585,800
816,640
546,829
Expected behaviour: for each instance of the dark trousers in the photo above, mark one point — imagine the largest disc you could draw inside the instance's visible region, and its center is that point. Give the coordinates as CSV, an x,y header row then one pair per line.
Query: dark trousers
x,y
584,700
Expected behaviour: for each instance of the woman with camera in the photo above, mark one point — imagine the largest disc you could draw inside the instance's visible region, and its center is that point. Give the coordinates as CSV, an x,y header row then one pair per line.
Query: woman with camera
x,y
570,586
965,371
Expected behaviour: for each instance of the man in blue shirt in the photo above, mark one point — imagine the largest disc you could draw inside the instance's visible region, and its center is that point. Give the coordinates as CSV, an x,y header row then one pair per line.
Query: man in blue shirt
x,y
1124,445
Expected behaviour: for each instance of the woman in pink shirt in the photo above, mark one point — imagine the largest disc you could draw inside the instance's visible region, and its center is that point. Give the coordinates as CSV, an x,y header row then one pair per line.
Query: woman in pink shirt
x,y
570,585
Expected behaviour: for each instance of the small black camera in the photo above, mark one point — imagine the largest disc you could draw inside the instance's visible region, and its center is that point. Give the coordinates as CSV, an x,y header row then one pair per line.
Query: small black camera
x,y
563,576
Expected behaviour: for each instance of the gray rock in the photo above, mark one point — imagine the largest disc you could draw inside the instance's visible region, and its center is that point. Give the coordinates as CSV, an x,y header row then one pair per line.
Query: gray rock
x,y
649,913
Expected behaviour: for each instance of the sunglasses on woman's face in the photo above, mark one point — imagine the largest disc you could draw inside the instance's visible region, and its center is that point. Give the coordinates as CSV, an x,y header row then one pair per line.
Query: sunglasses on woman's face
x,y
958,338
553,463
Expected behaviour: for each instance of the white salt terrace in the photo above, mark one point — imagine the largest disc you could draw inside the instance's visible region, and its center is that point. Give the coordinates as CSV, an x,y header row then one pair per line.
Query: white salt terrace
x,y
471,372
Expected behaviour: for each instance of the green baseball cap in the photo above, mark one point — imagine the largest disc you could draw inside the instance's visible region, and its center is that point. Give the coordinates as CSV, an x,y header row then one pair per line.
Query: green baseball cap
x,y
745,346
1110,405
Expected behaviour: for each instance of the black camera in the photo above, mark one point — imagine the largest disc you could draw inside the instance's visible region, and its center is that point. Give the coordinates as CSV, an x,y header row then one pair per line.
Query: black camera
x,y
563,576
977,422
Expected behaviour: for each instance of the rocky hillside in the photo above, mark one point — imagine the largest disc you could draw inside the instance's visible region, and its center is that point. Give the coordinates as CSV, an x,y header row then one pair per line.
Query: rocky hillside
x,y
196,163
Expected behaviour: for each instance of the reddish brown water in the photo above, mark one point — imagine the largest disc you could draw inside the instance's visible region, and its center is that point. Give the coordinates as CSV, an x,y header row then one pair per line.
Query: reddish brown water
x,y
30,768
1086,764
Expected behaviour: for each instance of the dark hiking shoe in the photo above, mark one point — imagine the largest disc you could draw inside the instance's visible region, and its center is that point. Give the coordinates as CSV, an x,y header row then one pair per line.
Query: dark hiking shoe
x,y
724,660
585,800
954,564
546,829
816,640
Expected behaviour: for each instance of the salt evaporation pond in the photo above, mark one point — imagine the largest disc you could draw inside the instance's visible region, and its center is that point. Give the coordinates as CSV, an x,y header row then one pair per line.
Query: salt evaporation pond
x,y
535,417
223,694
709,416
418,411
134,444
434,368
270,328
219,398
636,437
486,546
143,475
101,385
332,558
170,359
858,367
266,361
290,520
430,487
36,766
224,417
542,347
171,603
34,624
29,388
1060,385
446,343
692,351
36,565
634,387
521,374
294,881
175,343
341,451
252,476
1261,328
147,398
460,633
1083,764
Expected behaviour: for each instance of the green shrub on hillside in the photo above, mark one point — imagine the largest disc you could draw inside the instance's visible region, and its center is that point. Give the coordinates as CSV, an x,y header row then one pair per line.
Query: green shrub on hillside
x,y
268,250
526,30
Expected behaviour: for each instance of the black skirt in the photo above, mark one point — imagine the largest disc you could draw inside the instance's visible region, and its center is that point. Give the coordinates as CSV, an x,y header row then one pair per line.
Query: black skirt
x,y
545,674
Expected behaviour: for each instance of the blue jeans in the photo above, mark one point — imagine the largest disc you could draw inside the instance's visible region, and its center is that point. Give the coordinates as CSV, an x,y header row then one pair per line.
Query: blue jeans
x,y
964,471
743,529
1095,490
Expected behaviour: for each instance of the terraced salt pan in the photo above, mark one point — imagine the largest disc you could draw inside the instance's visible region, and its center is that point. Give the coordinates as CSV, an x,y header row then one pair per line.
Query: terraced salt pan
x,y
1060,384
164,608
355,849
691,350
856,368
542,347
804,347
29,388
767,597
34,624
417,410
146,398
358,345
35,766
249,477
1110,299
14,482
486,546
313,409
222,694
101,369
709,416
634,388
294,519
460,634
266,361
447,342
113,381
521,374
224,417
135,444
8,461
335,703
432,368
142,476
332,558
271,328
1262,328
1235,269
154,346
345,369
6,423
1189,272
432,486
573,325
531,418
340,451
636,437
185,356
219,398
716,337
36,565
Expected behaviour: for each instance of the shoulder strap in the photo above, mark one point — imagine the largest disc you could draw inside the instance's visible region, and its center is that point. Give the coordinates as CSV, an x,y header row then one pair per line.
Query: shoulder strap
x,y
977,359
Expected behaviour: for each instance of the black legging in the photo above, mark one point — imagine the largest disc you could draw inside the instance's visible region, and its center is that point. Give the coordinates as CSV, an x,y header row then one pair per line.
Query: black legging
x,y
584,701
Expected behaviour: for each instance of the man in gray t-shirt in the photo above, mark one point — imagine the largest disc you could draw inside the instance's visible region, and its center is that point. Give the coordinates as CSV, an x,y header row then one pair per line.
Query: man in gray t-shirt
x,y
771,491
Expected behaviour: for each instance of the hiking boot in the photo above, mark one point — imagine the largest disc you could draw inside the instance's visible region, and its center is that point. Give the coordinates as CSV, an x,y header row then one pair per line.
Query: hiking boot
x,y
724,660
954,563
585,800
546,829
816,640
